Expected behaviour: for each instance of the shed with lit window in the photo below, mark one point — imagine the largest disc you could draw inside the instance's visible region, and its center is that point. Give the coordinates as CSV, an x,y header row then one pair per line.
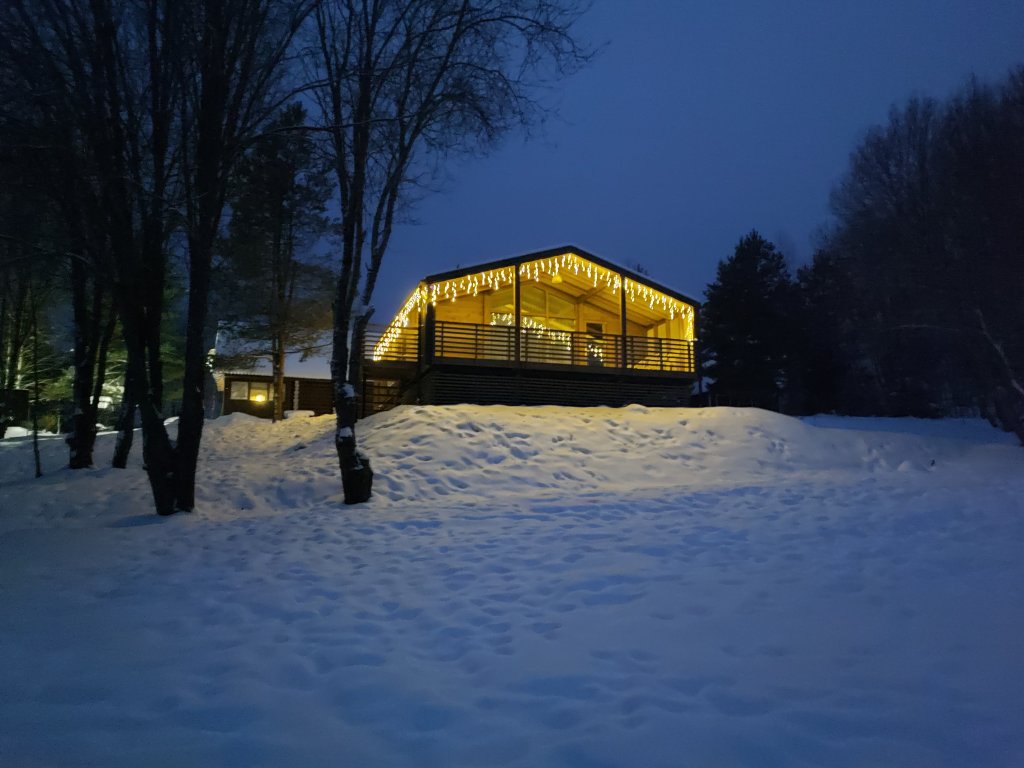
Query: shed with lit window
x,y
561,327
242,372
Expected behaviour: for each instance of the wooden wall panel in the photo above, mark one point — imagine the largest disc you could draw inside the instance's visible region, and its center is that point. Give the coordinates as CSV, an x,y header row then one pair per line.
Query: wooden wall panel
x,y
314,395
468,309
449,386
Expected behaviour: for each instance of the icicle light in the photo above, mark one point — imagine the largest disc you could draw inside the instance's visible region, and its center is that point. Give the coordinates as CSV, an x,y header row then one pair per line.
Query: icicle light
x,y
416,300
570,263
552,268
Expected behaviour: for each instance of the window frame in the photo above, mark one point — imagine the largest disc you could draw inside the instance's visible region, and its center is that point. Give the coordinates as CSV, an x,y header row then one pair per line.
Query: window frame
x,y
235,383
265,387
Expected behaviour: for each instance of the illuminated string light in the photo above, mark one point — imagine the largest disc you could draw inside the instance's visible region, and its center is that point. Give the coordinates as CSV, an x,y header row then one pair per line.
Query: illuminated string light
x,y
507,319
570,262
655,299
503,277
417,300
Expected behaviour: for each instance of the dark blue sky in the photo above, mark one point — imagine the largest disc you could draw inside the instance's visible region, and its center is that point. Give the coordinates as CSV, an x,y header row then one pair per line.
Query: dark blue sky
x,y
698,122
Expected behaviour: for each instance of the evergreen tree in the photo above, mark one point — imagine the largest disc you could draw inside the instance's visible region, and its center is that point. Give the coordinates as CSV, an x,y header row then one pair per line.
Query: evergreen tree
x,y
277,293
746,325
822,377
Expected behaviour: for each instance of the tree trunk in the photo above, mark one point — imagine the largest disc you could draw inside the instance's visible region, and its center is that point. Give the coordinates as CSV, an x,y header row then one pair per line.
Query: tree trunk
x,y
83,430
355,364
279,388
125,427
356,475
157,452
192,416
35,386
14,328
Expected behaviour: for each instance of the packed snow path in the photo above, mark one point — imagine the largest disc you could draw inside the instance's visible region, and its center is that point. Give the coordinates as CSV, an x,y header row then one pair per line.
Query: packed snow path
x,y
528,587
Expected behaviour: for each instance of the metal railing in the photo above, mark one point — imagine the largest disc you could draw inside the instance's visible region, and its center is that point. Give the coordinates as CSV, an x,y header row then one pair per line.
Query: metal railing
x,y
384,344
652,354
470,341
536,346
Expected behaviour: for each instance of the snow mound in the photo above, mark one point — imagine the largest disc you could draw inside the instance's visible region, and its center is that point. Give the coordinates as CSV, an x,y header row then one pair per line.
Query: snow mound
x,y
476,453
474,456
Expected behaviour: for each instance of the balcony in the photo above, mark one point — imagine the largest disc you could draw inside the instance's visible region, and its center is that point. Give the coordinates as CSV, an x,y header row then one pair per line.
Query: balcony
x,y
449,342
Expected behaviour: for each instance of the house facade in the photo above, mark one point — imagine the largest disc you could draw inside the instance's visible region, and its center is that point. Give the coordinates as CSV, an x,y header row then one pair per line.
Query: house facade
x,y
560,326
253,393
250,388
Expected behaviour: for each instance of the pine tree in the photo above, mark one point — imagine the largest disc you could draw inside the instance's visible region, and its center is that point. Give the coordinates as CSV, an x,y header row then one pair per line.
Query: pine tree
x,y
277,294
746,327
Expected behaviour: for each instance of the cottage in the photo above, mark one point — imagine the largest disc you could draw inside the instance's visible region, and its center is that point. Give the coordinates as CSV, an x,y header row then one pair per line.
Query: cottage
x,y
560,326
250,388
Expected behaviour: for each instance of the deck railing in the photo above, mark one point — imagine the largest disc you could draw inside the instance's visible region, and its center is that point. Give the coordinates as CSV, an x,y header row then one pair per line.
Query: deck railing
x,y
496,344
384,344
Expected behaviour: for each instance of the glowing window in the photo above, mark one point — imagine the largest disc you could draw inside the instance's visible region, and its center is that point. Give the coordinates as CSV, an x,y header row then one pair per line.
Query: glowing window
x,y
501,302
260,392
546,310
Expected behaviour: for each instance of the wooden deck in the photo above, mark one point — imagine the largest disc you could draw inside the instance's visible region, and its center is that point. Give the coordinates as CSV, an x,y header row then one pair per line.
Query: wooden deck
x,y
501,346
452,362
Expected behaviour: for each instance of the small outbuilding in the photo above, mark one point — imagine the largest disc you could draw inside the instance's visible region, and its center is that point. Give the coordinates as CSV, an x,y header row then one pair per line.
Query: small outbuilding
x,y
560,327
250,388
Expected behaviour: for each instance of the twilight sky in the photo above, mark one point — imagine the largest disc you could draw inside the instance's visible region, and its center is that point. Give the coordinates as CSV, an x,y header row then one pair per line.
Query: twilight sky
x,y
698,122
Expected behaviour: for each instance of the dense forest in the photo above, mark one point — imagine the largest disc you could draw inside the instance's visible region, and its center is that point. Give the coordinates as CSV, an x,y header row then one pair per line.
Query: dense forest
x,y
912,304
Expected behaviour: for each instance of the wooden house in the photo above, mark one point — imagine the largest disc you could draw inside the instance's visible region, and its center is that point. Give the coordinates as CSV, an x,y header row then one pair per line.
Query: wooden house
x,y
250,388
561,327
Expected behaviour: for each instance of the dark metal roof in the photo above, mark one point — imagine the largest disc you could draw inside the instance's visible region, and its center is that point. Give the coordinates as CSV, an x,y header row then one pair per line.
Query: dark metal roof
x,y
551,252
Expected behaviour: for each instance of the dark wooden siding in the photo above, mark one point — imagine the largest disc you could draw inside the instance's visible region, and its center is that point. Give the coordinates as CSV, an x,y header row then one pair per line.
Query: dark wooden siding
x,y
450,385
314,395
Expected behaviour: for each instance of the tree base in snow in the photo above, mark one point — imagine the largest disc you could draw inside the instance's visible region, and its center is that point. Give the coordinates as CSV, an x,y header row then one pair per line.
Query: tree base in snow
x,y
1009,412
357,482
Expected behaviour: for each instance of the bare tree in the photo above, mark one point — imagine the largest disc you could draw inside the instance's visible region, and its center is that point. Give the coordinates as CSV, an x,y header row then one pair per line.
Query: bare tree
x,y
926,258
230,73
49,126
147,104
400,83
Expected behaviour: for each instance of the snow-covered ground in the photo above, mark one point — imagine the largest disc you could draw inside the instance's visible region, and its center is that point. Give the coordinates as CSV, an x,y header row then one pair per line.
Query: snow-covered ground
x,y
528,587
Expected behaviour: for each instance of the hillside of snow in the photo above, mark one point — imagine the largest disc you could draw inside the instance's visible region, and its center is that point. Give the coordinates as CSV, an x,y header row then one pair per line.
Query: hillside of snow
x,y
528,587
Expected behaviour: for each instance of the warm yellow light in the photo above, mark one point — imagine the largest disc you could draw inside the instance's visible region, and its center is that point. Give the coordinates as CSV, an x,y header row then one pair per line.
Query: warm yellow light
x,y
495,279
658,300
506,320
259,398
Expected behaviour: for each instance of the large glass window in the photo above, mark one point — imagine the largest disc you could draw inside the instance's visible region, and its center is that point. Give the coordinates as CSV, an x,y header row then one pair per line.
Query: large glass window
x,y
500,307
545,309
539,308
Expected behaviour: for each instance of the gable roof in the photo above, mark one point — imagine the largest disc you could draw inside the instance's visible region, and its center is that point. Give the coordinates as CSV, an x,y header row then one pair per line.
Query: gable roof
x,y
551,253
